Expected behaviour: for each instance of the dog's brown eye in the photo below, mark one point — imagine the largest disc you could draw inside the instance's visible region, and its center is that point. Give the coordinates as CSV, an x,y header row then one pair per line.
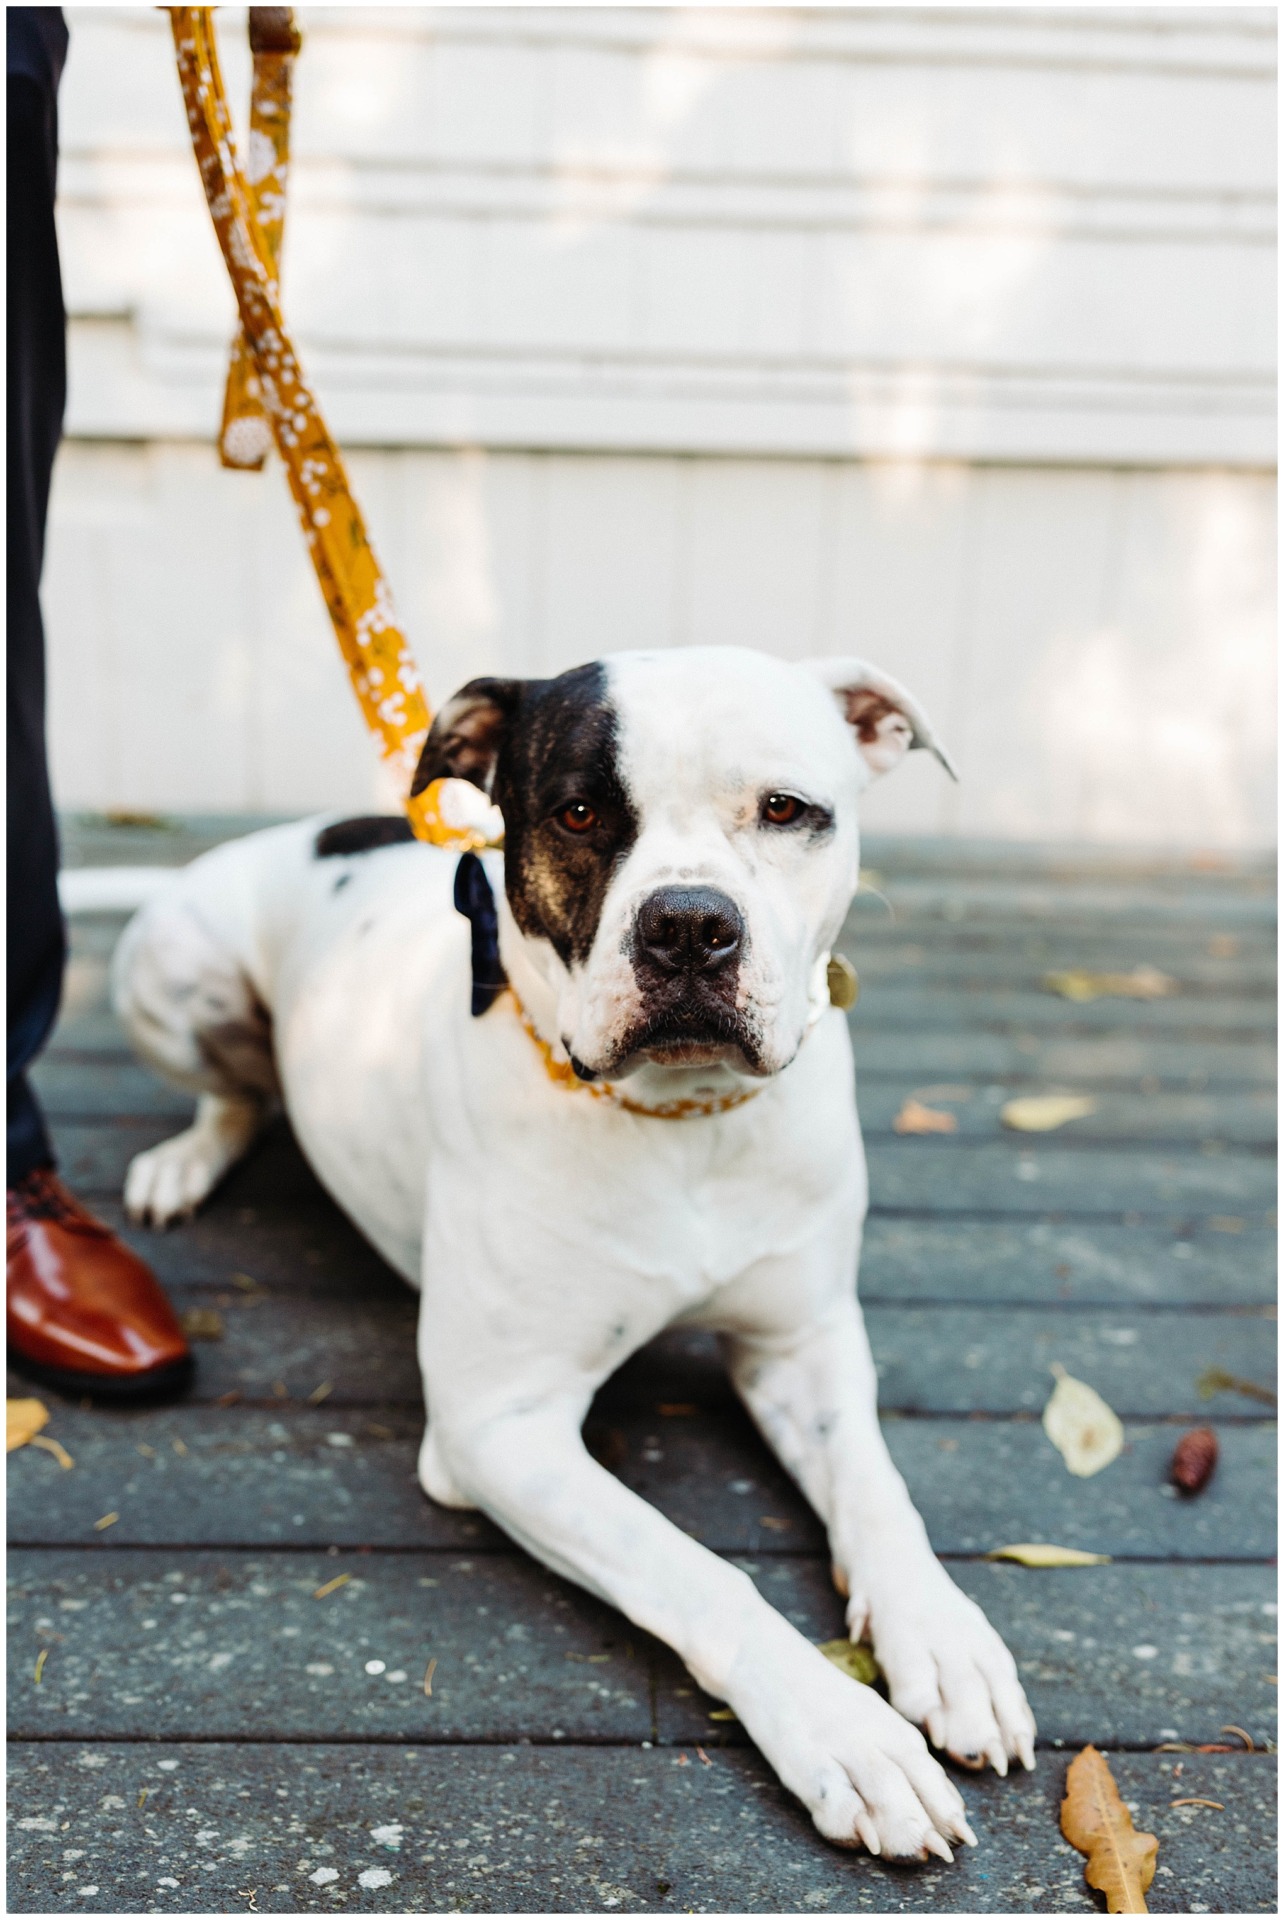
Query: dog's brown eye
x,y
781,809
578,817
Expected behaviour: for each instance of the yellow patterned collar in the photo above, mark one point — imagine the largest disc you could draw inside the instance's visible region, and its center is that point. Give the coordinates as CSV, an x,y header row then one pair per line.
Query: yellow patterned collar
x,y
563,1074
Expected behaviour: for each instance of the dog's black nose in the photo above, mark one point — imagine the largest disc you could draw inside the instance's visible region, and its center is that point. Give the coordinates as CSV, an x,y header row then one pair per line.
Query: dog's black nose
x,y
690,929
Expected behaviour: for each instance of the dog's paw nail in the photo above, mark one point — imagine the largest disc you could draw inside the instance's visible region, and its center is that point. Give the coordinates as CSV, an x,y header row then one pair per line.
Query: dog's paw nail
x,y
935,1844
869,1834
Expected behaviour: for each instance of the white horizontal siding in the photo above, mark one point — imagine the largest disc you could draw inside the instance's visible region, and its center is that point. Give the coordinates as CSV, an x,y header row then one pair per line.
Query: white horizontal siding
x,y
1007,235
1095,647
944,335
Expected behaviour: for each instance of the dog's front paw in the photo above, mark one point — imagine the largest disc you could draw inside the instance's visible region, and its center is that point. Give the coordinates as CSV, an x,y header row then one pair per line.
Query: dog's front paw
x,y
947,1669
168,1182
862,1771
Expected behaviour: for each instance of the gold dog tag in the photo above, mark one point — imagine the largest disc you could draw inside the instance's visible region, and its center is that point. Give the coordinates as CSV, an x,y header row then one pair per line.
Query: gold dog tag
x,y
844,984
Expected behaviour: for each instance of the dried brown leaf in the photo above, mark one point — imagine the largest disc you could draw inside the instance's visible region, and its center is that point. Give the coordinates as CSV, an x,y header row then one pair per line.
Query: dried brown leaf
x,y
1213,1380
914,1117
1120,1861
23,1419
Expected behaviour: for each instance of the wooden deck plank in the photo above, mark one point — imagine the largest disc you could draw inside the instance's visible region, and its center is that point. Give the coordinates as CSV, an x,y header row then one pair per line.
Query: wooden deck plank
x,y
312,1478
1008,1176
147,1643
468,1829
1118,1059
937,1004
100,1088
1133,905
307,1245
931,1359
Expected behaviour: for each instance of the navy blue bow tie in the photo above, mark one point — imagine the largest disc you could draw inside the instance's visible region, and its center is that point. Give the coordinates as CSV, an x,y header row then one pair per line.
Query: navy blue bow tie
x,y
474,899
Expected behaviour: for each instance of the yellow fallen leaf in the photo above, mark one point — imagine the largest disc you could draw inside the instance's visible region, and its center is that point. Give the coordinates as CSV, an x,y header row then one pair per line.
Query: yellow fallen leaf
x,y
1041,1112
916,1118
1036,1554
1085,1431
108,1520
854,1658
59,1453
1143,983
723,1713
202,1323
23,1419
332,1586
41,1657
1121,1861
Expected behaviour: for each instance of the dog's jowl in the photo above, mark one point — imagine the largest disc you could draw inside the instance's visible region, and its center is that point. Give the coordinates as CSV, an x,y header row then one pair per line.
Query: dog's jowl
x,y
653,1119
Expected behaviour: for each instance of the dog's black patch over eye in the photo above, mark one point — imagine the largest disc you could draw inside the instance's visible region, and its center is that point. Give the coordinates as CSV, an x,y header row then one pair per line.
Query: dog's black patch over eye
x,y
568,818
362,835
783,809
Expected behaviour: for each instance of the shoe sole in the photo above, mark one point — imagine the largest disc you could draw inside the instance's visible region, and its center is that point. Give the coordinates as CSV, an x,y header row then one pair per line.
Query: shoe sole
x,y
160,1383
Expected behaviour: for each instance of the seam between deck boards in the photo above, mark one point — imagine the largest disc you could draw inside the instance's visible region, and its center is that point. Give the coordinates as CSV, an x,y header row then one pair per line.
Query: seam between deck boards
x,y
371,1555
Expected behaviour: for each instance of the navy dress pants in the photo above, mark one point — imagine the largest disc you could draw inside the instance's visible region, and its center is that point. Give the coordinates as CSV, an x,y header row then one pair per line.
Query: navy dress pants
x,y
36,47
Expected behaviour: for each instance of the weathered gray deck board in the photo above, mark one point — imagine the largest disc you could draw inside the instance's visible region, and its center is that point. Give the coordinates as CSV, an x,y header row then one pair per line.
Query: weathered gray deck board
x,y
304,1477
535,1829
98,1088
1135,1248
197,1644
931,1359
1087,1263
890,1005
308,1245
1031,1176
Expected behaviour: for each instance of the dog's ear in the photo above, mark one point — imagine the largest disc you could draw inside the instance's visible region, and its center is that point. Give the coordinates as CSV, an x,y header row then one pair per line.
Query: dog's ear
x,y
464,740
884,716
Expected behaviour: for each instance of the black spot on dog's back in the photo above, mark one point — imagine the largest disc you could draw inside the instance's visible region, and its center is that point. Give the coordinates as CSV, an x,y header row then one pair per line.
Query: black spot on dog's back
x,y
362,835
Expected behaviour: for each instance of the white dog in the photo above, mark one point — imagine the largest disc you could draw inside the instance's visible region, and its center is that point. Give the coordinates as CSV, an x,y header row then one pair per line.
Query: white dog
x,y
654,1122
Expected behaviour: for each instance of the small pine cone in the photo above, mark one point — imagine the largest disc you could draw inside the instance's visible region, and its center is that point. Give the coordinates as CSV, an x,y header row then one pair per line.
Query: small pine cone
x,y
1194,1459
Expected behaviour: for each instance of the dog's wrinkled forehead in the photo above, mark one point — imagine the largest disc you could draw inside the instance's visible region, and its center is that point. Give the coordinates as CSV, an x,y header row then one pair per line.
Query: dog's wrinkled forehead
x,y
706,724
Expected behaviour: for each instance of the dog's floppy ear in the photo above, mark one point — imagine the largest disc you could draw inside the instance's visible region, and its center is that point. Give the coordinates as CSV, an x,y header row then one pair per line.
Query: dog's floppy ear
x,y
884,716
464,740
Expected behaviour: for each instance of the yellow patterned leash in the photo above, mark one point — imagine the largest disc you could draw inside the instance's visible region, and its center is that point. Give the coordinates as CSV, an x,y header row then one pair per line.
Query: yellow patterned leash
x,y
248,224
245,436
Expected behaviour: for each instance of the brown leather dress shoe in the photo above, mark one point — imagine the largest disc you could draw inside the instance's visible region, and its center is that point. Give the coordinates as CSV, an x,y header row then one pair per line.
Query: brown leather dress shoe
x,y
85,1315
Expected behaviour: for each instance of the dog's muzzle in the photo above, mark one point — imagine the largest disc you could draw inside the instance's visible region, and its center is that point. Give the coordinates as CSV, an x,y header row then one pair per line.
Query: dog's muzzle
x,y
686,951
